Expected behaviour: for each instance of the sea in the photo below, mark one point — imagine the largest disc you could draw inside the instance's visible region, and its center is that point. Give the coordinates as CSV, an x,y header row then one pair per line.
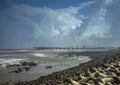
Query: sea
x,y
24,52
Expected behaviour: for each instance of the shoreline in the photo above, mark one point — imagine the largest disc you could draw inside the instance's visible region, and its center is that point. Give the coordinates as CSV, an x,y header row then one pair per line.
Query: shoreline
x,y
13,70
61,76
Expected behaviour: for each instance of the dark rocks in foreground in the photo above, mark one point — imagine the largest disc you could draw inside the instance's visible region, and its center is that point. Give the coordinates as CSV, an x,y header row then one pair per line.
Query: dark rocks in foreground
x,y
18,70
23,66
48,67
28,63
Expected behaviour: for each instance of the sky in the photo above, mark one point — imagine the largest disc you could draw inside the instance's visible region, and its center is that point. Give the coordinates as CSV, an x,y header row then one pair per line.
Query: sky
x,y
59,23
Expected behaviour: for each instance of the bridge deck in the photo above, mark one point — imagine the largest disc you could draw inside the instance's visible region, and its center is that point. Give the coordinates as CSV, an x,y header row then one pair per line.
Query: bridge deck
x,y
54,48
64,48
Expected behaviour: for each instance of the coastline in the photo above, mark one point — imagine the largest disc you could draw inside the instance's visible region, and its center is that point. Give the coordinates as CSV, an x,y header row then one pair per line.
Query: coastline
x,y
62,77
12,70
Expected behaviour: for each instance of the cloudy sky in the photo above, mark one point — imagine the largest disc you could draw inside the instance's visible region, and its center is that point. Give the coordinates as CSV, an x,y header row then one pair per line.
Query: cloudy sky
x,y
28,23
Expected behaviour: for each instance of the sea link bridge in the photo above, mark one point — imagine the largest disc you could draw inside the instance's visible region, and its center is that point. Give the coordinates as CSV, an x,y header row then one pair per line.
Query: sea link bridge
x,y
55,48
65,48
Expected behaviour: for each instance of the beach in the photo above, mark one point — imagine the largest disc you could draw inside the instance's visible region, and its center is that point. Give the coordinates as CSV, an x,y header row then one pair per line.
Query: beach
x,y
13,64
42,70
100,71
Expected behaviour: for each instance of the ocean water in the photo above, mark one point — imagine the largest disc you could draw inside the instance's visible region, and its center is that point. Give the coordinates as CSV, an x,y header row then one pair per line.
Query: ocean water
x,y
6,53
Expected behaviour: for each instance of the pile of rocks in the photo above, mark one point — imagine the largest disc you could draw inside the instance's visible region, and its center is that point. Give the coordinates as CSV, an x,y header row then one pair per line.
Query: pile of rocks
x,y
28,63
23,66
20,69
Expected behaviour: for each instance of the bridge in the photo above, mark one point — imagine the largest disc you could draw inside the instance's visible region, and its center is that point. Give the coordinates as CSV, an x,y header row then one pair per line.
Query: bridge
x,y
65,48
55,48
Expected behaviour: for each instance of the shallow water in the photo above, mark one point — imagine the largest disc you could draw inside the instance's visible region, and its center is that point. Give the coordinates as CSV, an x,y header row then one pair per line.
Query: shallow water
x,y
5,53
57,64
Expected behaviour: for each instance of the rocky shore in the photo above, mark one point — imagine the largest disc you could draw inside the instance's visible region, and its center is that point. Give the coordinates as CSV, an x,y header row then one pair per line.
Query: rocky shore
x,y
104,70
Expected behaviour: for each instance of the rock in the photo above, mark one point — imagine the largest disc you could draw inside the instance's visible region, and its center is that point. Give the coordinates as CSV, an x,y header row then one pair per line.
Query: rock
x,y
90,82
98,74
92,75
59,82
87,73
93,69
27,68
108,79
108,83
111,73
28,63
116,79
99,83
17,71
32,63
14,65
48,67
67,80
83,80
81,76
74,82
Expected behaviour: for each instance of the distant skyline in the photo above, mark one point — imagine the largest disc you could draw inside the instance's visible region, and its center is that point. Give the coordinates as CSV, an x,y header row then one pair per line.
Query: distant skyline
x,y
56,23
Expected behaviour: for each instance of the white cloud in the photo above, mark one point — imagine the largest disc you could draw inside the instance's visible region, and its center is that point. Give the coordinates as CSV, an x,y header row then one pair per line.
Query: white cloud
x,y
57,23
102,13
97,26
82,5
60,23
108,2
43,26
